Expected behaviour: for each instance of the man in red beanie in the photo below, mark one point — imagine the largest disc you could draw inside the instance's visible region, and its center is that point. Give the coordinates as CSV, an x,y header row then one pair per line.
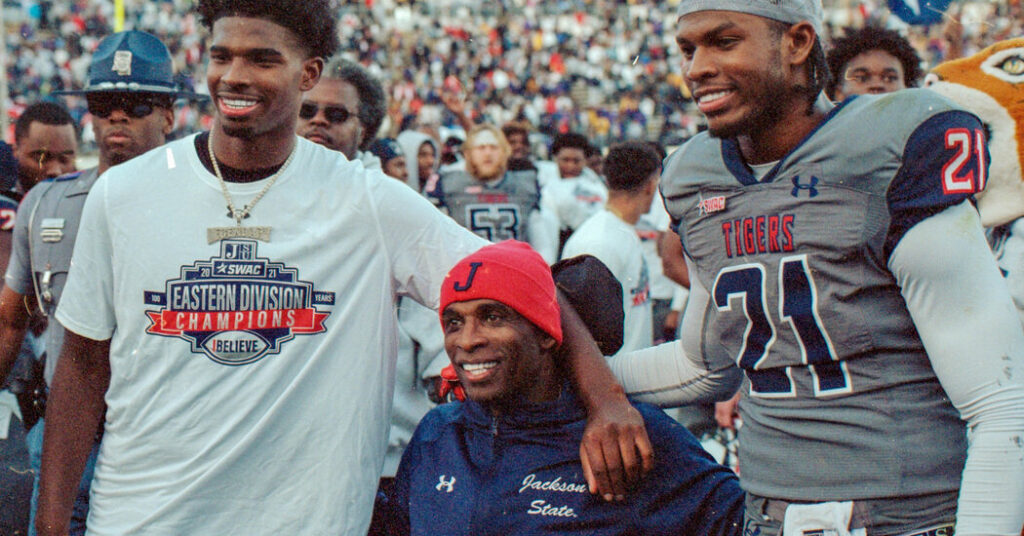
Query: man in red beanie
x,y
507,458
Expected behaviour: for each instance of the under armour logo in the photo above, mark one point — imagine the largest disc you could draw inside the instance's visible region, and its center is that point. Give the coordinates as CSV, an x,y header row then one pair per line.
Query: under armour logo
x,y
811,188
448,486
462,287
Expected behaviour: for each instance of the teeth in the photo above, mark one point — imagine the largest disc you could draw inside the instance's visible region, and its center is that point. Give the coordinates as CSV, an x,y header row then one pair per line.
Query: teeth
x,y
479,367
238,103
713,96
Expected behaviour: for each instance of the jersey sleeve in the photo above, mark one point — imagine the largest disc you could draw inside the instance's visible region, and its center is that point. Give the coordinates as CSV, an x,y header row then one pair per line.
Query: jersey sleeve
x,y
970,329
676,373
422,243
945,161
87,304
19,272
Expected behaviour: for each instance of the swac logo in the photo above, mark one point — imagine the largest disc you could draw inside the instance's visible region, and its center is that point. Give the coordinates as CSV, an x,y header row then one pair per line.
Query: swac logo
x,y
448,486
237,308
811,188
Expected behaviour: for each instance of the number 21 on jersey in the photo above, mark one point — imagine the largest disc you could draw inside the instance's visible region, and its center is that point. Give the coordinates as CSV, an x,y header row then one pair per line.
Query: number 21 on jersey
x,y
744,286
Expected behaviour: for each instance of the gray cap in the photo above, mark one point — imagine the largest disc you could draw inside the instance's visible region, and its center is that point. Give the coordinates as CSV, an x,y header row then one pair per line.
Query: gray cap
x,y
789,11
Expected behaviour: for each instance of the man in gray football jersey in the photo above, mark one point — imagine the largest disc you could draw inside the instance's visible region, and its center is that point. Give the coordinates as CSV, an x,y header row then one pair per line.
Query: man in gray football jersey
x,y
493,201
836,257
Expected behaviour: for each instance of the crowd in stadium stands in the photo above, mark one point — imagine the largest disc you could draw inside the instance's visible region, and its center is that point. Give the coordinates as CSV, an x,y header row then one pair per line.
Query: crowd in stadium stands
x,y
608,69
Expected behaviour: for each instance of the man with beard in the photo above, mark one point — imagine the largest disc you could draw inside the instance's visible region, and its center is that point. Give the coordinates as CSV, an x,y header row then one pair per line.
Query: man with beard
x,y
224,290
344,111
130,93
493,201
836,257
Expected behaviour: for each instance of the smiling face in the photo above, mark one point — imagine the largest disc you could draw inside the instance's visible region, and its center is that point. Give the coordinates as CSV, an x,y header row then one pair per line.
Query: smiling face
x,y
343,136
499,356
256,76
734,68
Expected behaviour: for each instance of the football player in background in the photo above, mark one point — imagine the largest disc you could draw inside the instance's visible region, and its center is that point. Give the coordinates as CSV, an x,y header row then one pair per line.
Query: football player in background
x,y
493,201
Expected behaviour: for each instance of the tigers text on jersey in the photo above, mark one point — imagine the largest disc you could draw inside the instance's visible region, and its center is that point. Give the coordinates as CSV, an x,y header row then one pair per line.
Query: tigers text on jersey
x,y
250,382
497,210
843,403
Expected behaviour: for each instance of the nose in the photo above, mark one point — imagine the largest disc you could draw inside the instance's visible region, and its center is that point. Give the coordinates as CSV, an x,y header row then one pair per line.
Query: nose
x,y
700,66
52,168
235,73
320,119
469,337
118,115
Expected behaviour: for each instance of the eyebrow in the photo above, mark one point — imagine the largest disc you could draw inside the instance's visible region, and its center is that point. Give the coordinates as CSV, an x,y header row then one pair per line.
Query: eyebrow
x,y
252,53
712,32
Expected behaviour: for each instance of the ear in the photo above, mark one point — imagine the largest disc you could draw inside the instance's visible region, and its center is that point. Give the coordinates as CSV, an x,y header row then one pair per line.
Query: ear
x,y
548,342
798,43
311,71
168,114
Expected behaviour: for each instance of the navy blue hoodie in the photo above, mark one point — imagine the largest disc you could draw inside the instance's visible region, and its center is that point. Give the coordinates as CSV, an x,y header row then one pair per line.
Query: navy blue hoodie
x,y
466,472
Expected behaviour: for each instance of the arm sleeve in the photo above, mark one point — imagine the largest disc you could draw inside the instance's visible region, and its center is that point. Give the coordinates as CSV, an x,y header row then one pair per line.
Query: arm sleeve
x,y
422,243
974,339
944,162
424,327
543,234
87,304
19,267
675,373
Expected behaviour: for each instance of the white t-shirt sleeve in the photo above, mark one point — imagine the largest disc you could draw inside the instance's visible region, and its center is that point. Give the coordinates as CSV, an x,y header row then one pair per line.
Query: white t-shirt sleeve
x,y
422,243
87,304
974,339
543,234
676,373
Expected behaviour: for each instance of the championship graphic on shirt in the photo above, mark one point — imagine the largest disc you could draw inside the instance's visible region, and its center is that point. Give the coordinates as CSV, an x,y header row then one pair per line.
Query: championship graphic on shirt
x,y
237,308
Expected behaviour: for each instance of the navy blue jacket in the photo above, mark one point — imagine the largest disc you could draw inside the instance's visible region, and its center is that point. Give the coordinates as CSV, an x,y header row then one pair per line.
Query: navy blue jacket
x,y
468,473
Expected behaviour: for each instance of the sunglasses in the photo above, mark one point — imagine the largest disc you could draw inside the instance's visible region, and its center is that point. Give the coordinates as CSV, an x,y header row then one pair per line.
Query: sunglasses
x,y
333,114
135,106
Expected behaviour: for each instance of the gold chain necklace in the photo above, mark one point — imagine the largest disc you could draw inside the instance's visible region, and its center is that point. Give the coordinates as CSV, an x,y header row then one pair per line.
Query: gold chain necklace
x,y
215,234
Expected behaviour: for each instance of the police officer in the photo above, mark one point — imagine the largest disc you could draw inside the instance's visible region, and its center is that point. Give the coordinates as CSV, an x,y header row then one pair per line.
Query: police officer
x,y
130,94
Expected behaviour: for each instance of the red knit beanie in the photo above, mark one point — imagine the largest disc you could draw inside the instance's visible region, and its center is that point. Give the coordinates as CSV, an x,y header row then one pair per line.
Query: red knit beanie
x,y
512,273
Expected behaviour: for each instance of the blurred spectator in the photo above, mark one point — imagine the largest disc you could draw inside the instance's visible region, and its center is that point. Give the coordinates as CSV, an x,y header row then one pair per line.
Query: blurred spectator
x,y
344,111
634,169
493,201
45,144
391,156
872,60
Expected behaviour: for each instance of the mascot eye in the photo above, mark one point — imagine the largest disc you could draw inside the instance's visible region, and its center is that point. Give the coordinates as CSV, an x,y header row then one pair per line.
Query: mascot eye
x,y
1013,65
1006,65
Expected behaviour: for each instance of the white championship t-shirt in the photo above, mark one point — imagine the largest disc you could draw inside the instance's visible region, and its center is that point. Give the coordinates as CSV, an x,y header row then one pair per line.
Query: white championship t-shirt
x,y
251,382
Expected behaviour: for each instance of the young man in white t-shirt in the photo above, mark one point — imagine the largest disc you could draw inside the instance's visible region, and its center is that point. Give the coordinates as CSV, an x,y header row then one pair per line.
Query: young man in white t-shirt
x,y
632,170
230,302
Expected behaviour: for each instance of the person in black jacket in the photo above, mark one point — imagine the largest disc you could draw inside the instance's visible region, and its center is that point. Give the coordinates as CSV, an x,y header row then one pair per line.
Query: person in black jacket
x,y
506,460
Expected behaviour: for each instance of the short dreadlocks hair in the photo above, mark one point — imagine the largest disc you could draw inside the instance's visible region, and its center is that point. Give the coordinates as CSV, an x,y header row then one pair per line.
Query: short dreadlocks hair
x,y
857,42
312,21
